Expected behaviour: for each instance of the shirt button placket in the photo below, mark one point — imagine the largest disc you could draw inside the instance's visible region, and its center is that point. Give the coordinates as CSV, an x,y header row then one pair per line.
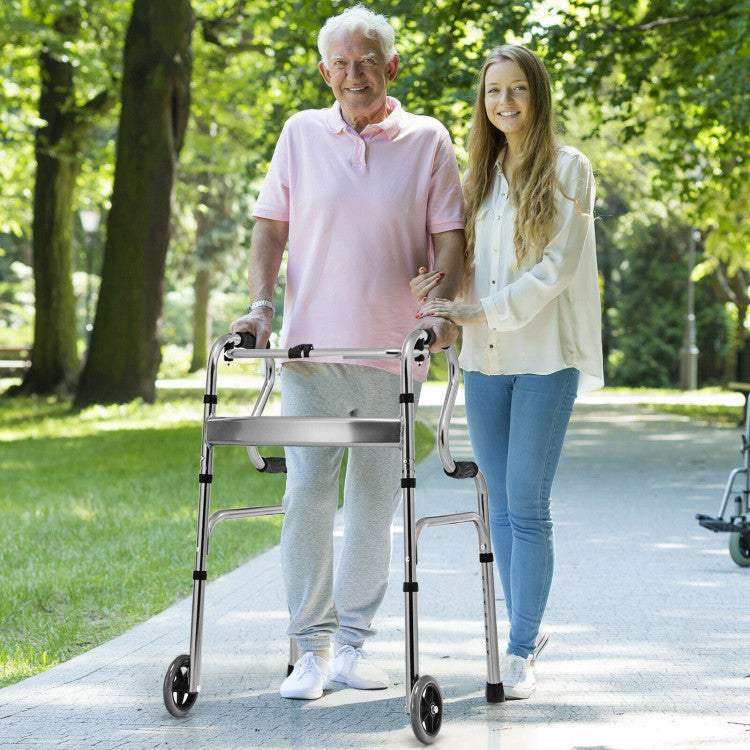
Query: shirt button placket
x,y
361,153
358,152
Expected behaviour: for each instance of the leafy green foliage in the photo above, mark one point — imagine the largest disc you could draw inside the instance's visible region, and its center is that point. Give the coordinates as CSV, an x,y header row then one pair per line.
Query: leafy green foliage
x,y
648,323
653,91
674,72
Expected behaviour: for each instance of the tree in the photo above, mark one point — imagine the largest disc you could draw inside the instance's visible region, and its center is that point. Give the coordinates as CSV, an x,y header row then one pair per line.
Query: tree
x,y
125,348
672,76
64,125
684,66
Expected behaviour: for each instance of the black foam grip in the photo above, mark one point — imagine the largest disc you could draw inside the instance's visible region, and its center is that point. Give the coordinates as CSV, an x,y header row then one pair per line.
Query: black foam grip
x,y
247,340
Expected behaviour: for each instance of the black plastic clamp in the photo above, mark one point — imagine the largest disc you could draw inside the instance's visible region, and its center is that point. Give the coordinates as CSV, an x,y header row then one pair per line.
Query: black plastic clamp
x,y
301,351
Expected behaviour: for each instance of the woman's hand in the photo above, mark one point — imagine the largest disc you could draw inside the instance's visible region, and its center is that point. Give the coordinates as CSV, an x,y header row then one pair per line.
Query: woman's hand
x,y
426,281
461,313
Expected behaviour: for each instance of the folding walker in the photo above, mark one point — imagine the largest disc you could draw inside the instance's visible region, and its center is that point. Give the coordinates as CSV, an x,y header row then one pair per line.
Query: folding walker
x,y
424,702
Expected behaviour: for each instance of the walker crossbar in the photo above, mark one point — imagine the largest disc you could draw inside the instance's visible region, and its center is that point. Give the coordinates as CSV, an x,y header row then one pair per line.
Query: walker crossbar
x,y
307,351
423,699
275,431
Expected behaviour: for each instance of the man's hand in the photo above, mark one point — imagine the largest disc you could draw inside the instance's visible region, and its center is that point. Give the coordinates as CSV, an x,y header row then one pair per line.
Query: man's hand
x,y
257,322
445,333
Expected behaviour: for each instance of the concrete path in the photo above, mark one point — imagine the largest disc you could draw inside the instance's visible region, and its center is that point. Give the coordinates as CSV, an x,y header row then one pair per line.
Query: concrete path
x,y
648,618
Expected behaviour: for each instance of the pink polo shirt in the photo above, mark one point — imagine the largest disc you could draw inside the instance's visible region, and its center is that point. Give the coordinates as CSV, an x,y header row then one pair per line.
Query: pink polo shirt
x,y
361,209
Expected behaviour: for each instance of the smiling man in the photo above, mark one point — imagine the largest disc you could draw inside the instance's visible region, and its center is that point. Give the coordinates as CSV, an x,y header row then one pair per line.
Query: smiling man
x,y
358,71
364,194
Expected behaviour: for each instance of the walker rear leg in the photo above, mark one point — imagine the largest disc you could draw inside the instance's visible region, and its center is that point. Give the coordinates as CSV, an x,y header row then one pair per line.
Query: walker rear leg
x,y
293,656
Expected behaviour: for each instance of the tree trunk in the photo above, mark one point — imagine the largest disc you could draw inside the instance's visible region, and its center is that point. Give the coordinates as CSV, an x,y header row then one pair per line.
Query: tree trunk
x,y
54,360
125,350
59,145
201,319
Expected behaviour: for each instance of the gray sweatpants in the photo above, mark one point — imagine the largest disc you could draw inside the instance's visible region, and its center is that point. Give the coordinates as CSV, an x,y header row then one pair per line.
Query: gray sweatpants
x,y
324,605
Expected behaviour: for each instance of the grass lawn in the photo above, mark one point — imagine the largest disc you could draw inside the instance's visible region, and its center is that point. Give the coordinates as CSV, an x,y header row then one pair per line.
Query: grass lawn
x,y
716,414
98,519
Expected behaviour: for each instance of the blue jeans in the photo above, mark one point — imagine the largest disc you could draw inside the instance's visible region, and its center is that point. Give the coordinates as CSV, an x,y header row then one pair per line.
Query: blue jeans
x,y
517,425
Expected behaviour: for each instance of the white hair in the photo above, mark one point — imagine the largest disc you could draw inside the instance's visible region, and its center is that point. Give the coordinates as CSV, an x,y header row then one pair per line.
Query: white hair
x,y
372,25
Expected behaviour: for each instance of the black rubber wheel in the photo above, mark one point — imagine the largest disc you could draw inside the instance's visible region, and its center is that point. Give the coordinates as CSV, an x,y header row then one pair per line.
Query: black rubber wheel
x,y
426,709
177,696
739,548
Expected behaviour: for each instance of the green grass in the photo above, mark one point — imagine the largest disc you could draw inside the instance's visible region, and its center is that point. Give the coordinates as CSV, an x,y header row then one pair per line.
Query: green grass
x,y
98,519
715,414
721,415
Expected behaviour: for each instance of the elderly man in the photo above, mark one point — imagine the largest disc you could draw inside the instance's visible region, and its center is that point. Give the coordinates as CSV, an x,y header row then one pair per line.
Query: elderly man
x,y
364,193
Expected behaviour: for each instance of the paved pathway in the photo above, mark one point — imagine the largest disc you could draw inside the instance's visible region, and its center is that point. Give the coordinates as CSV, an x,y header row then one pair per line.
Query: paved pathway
x,y
648,618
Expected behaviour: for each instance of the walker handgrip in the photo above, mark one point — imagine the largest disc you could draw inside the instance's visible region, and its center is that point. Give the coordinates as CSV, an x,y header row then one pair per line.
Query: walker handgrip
x,y
463,470
424,343
247,340
429,341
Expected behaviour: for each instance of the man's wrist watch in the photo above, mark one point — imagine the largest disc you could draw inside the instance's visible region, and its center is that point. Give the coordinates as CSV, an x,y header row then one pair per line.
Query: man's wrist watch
x,y
261,303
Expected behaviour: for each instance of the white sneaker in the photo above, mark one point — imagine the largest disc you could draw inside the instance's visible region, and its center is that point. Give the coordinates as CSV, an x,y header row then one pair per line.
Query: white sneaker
x,y
517,675
307,679
352,666
540,644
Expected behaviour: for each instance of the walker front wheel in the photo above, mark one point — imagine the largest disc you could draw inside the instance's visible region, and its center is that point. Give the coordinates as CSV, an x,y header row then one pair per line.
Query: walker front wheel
x,y
426,709
176,691
739,548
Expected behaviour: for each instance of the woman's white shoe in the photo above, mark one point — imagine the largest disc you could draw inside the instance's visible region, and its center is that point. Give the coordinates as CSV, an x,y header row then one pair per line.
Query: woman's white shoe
x,y
518,676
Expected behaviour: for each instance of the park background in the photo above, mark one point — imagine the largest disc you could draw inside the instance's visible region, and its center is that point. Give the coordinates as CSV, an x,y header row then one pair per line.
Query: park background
x,y
134,136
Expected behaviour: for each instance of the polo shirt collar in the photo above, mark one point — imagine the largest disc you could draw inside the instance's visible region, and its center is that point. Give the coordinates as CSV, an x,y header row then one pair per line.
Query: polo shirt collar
x,y
391,126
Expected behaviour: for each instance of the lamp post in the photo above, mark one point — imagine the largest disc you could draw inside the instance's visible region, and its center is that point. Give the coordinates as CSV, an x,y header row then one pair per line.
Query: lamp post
x,y
90,218
689,351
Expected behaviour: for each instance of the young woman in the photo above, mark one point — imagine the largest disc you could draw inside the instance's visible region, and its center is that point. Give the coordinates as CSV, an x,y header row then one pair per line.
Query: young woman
x,y
532,325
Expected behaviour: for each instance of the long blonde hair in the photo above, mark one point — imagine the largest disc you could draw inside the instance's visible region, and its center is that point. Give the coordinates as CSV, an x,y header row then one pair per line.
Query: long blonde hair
x,y
532,191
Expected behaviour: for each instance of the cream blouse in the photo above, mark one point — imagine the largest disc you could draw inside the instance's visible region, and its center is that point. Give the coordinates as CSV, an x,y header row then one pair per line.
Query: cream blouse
x,y
545,316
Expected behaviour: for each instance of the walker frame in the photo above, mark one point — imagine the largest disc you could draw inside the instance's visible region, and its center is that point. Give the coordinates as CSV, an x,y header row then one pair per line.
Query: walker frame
x,y
424,702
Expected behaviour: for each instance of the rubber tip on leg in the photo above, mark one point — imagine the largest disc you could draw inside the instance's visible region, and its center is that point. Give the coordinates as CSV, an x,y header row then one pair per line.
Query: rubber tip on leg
x,y
495,692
